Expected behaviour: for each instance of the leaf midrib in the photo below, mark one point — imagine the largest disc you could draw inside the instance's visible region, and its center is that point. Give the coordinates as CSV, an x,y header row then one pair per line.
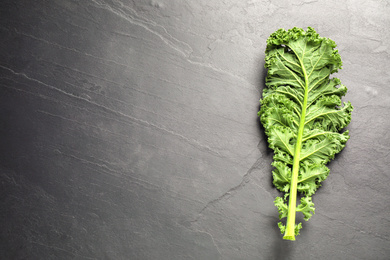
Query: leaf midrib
x,y
290,227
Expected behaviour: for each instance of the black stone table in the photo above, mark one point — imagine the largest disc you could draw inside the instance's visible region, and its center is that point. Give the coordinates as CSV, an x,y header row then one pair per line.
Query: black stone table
x,y
129,130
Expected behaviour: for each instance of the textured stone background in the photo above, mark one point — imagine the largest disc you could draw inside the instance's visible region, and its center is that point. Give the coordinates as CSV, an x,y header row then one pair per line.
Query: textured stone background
x,y
129,130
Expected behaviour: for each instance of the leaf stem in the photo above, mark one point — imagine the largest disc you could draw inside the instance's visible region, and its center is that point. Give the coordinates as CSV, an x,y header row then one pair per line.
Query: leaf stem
x,y
292,203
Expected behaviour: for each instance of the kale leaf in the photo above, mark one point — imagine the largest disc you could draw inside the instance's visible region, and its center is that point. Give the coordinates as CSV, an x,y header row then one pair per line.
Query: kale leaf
x,y
303,116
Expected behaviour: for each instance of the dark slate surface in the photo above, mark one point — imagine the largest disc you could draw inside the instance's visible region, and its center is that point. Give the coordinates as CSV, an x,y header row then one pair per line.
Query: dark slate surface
x,y
129,130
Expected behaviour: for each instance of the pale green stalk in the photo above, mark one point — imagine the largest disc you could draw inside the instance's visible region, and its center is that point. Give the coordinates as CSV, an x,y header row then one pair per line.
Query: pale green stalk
x,y
292,203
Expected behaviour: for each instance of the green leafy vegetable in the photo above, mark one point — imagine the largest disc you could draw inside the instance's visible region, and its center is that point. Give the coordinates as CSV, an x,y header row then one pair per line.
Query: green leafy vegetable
x,y
303,117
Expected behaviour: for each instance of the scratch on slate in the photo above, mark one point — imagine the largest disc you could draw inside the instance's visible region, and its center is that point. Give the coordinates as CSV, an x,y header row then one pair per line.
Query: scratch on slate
x,y
134,119
181,47
61,249
203,232
69,49
245,179
185,49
